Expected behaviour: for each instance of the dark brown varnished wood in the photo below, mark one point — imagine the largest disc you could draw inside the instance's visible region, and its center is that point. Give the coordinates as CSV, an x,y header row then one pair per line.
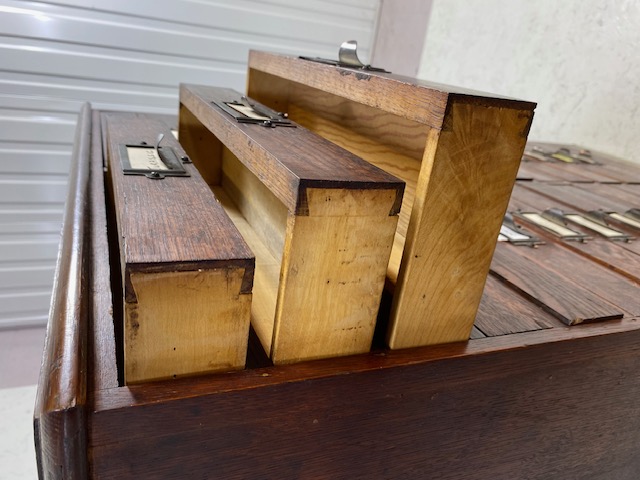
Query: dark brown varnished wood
x,y
608,169
163,227
503,311
546,286
287,160
578,196
620,196
542,172
426,413
622,257
557,402
103,371
60,409
633,193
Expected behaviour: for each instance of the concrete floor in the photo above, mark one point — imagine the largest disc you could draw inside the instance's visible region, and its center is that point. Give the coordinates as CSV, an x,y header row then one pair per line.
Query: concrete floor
x,y
20,356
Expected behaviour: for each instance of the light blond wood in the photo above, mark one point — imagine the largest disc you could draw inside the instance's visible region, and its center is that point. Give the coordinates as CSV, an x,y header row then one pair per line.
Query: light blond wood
x,y
184,323
328,297
333,274
463,190
263,211
375,151
457,150
267,274
321,222
203,147
324,300
396,133
186,272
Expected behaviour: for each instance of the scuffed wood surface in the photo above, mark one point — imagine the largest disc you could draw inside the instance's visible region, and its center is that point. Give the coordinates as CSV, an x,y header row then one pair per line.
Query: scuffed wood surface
x,y
60,423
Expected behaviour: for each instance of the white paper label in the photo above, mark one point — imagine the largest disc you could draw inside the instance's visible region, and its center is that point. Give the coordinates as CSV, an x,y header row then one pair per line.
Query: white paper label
x,y
625,219
141,158
247,111
549,225
596,227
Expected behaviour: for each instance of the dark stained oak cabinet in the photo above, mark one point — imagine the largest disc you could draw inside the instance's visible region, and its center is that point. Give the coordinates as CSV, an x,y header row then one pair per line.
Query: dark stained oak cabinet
x,y
526,397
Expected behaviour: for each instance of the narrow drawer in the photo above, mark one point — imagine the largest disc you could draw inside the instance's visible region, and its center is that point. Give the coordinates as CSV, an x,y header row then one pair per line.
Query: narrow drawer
x,y
320,220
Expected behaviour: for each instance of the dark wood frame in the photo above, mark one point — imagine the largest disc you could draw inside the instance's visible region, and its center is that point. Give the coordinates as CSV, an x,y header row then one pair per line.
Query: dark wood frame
x,y
60,410
553,403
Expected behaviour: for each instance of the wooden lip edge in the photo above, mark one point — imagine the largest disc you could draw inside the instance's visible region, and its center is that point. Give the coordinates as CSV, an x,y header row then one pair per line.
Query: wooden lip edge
x,y
189,93
260,60
244,258
302,207
248,264
383,179
62,385
156,392
101,282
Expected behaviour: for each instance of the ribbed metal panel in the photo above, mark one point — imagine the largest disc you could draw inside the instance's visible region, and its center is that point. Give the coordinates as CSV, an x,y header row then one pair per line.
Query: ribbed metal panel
x,y
120,55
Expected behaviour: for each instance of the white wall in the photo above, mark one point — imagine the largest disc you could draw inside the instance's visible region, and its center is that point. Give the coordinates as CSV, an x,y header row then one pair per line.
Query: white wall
x,y
579,59
121,55
400,35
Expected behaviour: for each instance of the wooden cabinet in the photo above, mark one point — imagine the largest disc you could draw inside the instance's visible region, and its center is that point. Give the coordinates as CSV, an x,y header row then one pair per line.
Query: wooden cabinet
x,y
320,220
458,151
187,273
526,397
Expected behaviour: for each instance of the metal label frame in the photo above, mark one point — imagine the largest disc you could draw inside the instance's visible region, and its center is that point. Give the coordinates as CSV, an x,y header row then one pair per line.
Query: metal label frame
x,y
167,155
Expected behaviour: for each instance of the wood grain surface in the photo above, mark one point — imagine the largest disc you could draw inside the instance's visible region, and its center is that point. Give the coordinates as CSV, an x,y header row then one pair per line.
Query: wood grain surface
x,y
417,100
287,160
323,220
333,272
175,221
457,150
103,370
551,172
467,174
267,274
418,413
622,196
60,423
622,257
512,405
608,169
375,148
579,196
569,301
187,272
503,311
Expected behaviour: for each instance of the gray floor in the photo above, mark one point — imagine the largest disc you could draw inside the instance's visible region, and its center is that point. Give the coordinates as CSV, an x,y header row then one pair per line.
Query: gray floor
x,y
20,356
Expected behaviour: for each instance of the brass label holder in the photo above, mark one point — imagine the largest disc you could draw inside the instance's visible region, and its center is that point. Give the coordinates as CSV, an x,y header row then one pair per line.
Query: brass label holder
x,y
512,233
553,221
248,111
152,161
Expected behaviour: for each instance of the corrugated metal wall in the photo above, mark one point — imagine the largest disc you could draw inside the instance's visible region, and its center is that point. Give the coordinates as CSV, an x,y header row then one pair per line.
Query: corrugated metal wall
x,y
122,55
